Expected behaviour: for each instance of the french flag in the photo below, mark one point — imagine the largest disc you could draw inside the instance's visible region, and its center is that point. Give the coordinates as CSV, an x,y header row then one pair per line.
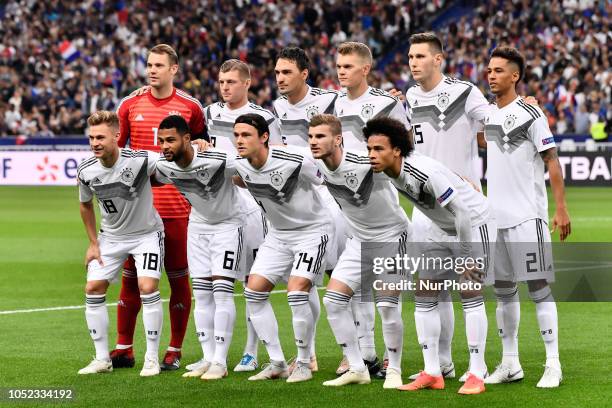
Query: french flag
x,y
69,51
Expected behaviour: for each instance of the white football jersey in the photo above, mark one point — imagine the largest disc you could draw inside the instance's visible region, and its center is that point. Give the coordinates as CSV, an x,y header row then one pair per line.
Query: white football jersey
x,y
516,134
294,119
445,122
123,191
207,184
220,124
431,186
354,113
367,199
285,189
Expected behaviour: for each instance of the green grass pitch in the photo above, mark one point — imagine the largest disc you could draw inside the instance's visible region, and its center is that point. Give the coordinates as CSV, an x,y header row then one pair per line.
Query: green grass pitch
x,y
42,244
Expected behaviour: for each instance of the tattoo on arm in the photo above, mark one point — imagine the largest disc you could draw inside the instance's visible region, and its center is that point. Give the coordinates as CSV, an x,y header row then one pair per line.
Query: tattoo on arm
x,y
549,155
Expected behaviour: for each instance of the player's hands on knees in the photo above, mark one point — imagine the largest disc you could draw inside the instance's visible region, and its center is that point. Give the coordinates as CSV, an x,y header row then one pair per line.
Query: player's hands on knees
x,y
93,252
561,221
141,91
397,94
202,145
472,275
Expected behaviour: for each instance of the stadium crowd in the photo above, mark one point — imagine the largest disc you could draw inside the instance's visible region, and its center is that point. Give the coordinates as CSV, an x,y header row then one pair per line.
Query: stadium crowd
x,y
48,90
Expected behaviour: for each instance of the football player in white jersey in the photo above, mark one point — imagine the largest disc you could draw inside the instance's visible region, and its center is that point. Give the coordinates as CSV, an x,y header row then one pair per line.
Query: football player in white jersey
x,y
360,102
120,180
215,239
284,184
354,107
520,147
234,82
446,115
463,230
297,104
374,216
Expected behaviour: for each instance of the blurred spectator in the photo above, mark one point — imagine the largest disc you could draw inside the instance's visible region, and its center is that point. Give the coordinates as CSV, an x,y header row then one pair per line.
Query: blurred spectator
x,y
62,59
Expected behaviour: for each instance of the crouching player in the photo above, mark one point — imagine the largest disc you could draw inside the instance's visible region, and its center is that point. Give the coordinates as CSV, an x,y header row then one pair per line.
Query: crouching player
x,y
374,218
120,179
215,240
462,229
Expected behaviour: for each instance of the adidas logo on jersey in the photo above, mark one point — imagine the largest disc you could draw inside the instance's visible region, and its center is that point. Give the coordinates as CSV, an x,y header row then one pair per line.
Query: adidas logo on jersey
x,y
247,177
172,174
97,181
284,115
218,116
174,112
139,117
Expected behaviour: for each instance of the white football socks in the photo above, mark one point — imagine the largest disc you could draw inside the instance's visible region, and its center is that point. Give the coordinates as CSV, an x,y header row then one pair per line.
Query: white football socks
x,y
263,319
152,318
204,316
392,329
342,325
476,333
447,327
225,317
508,316
427,322
546,312
96,316
303,323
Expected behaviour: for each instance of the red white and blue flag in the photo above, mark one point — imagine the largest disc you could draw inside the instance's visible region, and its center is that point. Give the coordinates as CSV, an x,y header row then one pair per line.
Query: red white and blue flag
x,y
69,51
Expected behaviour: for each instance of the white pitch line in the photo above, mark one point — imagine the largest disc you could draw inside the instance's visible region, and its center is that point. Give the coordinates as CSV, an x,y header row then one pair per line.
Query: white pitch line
x,y
51,309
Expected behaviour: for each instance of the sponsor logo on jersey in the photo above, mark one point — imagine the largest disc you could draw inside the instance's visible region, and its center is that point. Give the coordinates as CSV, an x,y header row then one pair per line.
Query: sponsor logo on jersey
x,y
443,100
139,117
445,195
311,111
276,178
218,116
548,140
127,176
247,178
509,122
97,181
367,111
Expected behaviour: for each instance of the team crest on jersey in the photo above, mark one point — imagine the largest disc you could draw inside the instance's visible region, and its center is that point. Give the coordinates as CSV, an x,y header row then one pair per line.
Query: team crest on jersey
x,y
443,100
509,122
367,111
276,178
351,180
127,176
174,112
311,111
203,174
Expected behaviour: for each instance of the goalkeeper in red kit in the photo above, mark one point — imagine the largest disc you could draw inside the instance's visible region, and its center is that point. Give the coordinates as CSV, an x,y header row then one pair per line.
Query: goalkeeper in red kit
x,y
139,117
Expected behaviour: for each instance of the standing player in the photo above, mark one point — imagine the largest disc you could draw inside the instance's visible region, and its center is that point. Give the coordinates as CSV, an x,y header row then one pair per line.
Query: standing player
x,y
215,237
139,116
360,102
120,179
298,103
446,115
234,83
519,148
369,202
461,231
354,107
283,183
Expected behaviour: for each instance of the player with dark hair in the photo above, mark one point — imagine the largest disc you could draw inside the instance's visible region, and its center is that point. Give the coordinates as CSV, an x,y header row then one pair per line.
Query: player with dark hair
x,y
520,147
464,230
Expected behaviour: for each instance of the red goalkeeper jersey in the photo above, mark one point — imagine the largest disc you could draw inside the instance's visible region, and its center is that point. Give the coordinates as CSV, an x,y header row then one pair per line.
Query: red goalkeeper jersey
x,y
139,118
